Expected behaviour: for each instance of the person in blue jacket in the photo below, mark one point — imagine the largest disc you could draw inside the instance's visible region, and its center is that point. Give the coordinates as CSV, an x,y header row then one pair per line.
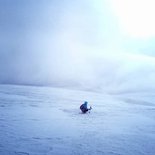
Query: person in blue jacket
x,y
84,107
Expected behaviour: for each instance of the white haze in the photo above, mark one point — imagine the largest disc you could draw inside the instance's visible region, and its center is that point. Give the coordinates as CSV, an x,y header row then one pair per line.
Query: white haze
x,y
71,44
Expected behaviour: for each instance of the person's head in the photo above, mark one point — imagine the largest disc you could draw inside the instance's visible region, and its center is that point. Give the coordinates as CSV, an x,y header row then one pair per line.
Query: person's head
x,y
86,102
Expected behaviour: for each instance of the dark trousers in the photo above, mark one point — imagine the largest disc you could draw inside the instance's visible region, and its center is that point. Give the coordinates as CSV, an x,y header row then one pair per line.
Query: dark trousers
x,y
84,110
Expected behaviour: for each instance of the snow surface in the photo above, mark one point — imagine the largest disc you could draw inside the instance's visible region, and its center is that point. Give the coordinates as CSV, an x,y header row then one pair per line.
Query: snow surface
x,y
47,121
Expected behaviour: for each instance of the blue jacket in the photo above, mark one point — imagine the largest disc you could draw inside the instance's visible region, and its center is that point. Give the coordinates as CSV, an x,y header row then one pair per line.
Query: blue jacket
x,y
83,107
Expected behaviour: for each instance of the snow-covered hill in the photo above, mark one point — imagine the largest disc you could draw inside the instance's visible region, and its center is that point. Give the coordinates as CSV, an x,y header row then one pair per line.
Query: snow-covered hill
x,y
47,121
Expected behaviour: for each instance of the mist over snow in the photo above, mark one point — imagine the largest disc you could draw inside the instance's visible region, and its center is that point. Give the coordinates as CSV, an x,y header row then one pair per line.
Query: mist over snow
x,y
56,54
77,44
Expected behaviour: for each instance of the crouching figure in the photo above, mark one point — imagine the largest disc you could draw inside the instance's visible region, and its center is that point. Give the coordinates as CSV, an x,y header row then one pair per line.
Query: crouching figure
x,y
84,107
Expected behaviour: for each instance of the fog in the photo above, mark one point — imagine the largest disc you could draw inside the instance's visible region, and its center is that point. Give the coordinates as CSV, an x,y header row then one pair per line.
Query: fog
x,y
75,44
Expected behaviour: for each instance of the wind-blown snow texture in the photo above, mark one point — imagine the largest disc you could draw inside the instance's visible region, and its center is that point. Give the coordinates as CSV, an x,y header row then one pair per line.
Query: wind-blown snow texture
x,y
47,121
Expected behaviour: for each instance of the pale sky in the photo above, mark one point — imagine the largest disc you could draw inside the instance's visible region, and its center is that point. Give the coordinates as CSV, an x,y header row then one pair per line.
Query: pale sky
x,y
51,41
136,17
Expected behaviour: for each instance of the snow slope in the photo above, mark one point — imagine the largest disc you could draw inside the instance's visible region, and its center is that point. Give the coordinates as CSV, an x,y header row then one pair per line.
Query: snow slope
x,y
47,121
